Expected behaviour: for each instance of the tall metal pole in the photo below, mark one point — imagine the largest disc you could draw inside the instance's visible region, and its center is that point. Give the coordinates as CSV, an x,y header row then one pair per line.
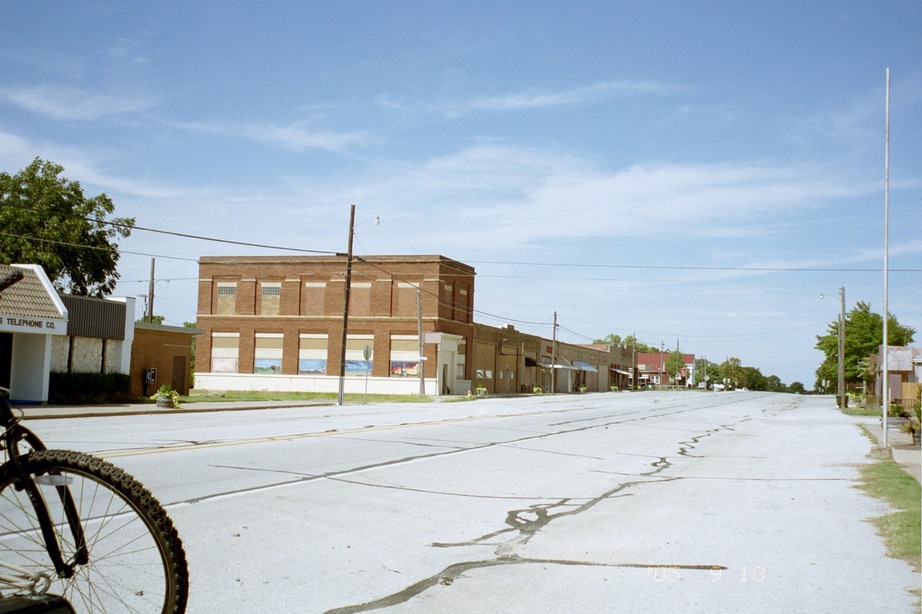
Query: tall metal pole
x,y
348,289
886,347
841,334
419,332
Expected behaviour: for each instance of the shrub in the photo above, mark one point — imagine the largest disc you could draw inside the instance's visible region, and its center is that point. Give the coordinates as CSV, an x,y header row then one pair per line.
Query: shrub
x,y
88,388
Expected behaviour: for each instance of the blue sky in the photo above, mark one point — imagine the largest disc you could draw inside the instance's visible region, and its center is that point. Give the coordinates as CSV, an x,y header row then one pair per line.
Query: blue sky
x,y
698,172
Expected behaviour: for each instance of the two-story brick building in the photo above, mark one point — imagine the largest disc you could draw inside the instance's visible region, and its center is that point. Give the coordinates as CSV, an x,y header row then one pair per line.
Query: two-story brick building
x,y
275,323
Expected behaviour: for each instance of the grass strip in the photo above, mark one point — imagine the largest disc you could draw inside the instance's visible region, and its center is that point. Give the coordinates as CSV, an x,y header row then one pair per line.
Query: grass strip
x,y
901,529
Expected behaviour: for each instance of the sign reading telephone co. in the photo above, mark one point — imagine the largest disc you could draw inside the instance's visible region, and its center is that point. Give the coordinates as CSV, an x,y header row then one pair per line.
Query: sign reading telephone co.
x,y
31,324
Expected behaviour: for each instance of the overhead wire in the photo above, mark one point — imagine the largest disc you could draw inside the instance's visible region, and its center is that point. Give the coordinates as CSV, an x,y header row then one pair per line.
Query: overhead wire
x,y
396,276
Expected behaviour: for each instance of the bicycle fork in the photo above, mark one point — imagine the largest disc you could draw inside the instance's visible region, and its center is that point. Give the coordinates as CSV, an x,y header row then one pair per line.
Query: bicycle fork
x,y
30,485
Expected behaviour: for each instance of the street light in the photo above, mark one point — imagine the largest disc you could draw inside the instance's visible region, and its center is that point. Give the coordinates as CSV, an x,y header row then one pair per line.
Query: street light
x,y
348,290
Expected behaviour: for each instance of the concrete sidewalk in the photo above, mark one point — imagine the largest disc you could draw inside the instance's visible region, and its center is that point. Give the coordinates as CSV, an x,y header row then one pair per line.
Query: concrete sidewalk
x,y
904,453
48,412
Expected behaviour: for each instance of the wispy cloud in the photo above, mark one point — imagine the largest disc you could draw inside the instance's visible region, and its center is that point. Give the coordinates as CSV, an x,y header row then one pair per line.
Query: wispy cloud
x,y
581,95
535,98
64,103
515,197
297,136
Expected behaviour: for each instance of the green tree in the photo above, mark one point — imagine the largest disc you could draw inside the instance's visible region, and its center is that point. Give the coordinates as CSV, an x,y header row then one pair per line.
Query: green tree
x,y
629,342
192,356
46,220
674,365
732,371
154,320
864,331
773,383
796,388
752,378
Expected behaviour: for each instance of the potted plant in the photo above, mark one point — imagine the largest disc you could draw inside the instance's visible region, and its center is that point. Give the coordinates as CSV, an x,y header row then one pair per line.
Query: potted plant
x,y
481,390
166,397
536,390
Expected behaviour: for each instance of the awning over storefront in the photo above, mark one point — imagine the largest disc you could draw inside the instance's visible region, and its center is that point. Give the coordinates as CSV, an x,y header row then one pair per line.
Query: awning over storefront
x,y
584,366
531,362
562,363
628,373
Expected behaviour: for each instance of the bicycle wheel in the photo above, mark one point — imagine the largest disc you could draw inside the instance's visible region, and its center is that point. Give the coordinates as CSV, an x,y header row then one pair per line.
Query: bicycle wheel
x,y
134,560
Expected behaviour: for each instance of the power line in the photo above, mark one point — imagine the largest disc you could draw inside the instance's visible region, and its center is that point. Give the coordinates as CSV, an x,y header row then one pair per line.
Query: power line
x,y
694,268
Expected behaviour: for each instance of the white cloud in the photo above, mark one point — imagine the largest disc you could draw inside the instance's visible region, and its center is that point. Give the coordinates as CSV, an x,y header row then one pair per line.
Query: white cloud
x,y
63,103
498,194
296,136
534,98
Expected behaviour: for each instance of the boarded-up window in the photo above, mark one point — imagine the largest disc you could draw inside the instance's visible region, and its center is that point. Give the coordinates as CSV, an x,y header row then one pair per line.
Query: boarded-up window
x,y
314,298
270,294
360,299
225,349
227,299
406,300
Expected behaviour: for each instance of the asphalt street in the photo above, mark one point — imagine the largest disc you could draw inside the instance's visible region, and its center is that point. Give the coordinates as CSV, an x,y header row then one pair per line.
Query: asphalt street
x,y
619,502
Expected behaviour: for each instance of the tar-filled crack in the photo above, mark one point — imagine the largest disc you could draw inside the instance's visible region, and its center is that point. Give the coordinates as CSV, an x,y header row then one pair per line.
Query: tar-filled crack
x,y
525,523
447,576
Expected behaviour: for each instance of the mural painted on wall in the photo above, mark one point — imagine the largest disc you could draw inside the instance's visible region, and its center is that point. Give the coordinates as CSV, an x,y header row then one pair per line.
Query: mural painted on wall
x,y
267,366
404,368
358,367
312,366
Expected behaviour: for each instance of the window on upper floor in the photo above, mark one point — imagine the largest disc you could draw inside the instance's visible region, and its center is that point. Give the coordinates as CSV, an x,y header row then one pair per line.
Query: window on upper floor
x,y
270,296
227,299
360,299
313,301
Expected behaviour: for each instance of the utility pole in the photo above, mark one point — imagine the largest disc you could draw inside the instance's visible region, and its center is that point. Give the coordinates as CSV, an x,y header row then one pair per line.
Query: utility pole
x,y
843,397
554,356
663,371
150,291
633,362
677,361
342,353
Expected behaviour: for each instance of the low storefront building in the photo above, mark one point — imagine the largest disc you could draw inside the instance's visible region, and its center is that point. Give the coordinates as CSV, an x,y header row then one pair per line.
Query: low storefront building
x,y
31,316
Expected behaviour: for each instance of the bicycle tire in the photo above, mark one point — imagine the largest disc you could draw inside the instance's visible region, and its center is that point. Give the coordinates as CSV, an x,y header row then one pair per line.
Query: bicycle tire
x,y
136,560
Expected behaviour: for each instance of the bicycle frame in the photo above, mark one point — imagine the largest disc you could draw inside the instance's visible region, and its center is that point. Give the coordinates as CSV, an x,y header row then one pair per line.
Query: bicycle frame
x,y
14,435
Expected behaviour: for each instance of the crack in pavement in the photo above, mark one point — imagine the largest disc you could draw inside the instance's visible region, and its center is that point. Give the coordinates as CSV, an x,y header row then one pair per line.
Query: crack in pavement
x,y
449,574
525,523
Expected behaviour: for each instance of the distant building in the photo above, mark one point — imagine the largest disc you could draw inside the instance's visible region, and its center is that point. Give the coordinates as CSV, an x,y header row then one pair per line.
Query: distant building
x,y
161,355
650,366
275,323
904,367
32,315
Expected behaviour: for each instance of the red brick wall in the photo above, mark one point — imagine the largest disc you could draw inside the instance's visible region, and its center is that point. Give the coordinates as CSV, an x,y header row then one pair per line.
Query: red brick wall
x,y
376,313
157,348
